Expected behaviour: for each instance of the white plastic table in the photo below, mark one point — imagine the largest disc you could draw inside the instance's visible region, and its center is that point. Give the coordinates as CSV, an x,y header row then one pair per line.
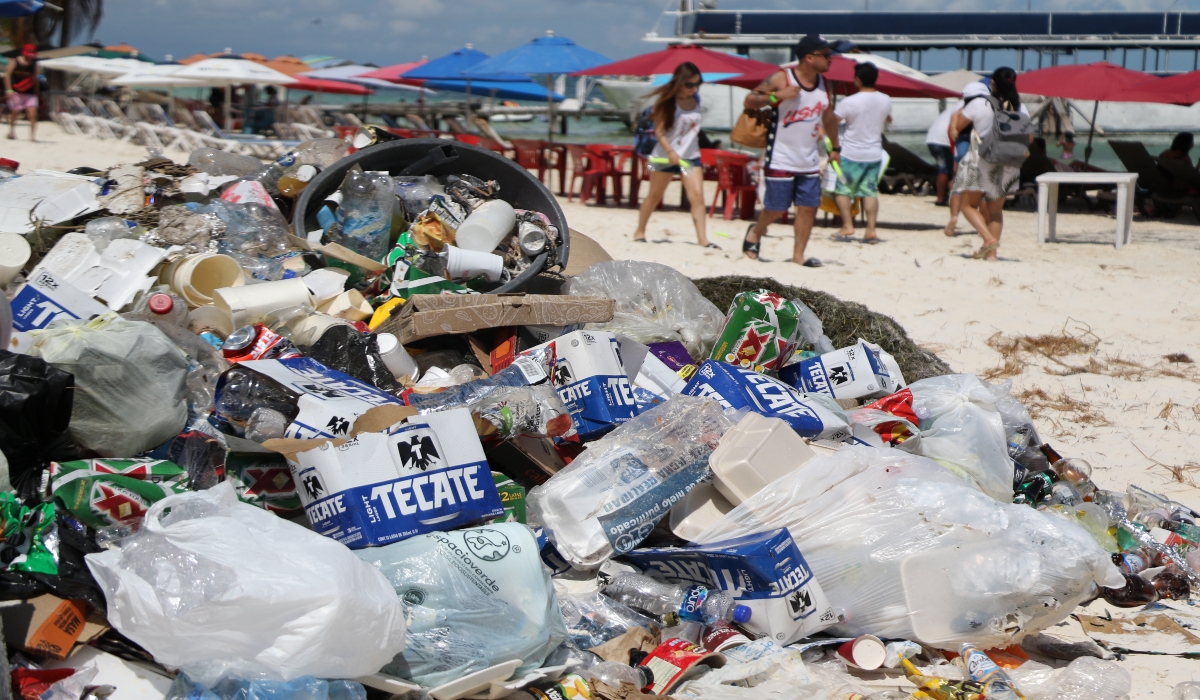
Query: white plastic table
x,y
1048,200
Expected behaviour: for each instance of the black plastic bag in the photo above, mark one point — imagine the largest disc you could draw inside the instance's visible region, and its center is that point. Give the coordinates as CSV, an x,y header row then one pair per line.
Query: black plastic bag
x,y
35,412
345,349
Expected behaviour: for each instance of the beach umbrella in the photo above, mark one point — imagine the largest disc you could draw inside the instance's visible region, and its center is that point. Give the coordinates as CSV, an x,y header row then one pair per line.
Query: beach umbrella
x,y
102,67
546,55
156,76
664,63
1100,82
20,8
956,80
1182,89
230,72
336,87
354,73
392,73
841,77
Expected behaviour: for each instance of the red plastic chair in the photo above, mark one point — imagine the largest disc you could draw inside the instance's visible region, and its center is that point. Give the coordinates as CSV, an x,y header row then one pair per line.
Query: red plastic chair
x,y
589,166
608,157
531,156
469,139
733,184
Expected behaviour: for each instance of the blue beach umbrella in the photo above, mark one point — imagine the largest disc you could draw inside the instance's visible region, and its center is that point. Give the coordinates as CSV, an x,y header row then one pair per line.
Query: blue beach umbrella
x,y
449,73
20,8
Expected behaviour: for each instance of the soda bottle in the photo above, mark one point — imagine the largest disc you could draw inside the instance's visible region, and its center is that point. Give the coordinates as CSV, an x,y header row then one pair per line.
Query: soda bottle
x,y
295,179
1136,592
217,162
997,685
245,390
365,214
675,602
320,152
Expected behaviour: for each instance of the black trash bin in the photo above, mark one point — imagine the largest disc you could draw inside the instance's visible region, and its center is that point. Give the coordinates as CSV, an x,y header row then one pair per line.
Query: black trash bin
x,y
517,186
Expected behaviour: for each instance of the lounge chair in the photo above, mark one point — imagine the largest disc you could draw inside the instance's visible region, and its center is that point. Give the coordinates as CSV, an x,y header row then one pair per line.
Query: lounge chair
x,y
251,144
906,171
1155,183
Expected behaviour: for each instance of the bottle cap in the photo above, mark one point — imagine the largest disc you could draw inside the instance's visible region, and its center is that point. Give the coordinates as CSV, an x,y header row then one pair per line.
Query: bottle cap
x,y
741,614
240,339
160,303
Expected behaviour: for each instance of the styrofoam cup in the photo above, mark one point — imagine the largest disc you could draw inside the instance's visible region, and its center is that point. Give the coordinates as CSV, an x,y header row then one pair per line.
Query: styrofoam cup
x,y
249,303
350,305
14,253
465,264
195,277
210,318
866,652
483,230
396,358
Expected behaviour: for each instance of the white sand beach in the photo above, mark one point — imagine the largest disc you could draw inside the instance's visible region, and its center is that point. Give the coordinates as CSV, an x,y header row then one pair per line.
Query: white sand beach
x,y
1122,406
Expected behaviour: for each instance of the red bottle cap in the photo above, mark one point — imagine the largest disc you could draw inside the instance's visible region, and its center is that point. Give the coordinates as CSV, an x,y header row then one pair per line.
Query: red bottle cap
x,y
161,303
9,163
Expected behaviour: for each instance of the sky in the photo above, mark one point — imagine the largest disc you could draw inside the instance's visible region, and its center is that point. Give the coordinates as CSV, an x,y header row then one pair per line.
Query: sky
x,y
385,32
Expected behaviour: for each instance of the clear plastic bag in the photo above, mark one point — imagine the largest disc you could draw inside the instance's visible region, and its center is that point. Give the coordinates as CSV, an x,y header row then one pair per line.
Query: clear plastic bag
x,y
905,550
655,303
302,688
222,588
474,598
779,676
593,618
130,392
609,499
1088,678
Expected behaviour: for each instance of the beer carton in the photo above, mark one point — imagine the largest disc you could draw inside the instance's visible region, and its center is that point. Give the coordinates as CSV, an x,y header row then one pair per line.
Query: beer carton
x,y
862,370
590,377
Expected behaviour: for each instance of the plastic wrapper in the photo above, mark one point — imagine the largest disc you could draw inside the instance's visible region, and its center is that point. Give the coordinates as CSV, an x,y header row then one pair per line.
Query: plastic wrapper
x,y
473,598
518,400
905,550
302,688
343,348
655,303
221,588
129,382
609,499
1088,678
35,412
593,618
106,492
782,675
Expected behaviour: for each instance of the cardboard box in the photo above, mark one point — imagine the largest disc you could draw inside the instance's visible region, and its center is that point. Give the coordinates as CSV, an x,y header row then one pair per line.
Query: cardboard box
x,y
591,379
45,298
420,476
862,370
427,315
50,625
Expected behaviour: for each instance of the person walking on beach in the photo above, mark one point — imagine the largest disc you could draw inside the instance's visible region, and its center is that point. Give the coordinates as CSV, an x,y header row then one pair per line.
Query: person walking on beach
x,y
21,90
985,184
799,101
864,115
676,115
937,139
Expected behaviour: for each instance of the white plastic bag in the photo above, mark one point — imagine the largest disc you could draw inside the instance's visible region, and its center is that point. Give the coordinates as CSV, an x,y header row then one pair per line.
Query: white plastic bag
x,y
129,382
905,550
217,587
775,676
655,303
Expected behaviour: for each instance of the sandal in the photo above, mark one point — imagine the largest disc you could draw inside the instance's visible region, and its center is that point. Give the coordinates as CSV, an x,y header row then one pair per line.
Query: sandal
x,y
747,246
872,241
812,262
640,240
713,245
985,251
840,238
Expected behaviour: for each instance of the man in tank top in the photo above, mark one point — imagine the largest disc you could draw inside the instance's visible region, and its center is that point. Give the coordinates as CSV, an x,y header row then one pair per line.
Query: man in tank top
x,y
799,101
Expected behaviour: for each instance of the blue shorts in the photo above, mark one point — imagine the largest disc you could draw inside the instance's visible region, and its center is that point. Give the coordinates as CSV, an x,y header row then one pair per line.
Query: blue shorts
x,y
785,189
943,156
961,148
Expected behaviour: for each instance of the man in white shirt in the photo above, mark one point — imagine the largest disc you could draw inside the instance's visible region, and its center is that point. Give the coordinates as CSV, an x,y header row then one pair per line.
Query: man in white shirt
x,y
938,141
864,115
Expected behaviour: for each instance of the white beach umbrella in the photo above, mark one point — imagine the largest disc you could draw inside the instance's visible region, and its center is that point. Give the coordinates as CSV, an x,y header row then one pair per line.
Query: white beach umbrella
x,y
230,72
158,76
104,67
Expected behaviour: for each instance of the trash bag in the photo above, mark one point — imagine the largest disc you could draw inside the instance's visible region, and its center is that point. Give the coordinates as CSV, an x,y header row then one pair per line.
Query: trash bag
x,y
302,688
610,498
35,412
221,588
130,391
655,303
343,348
474,598
904,550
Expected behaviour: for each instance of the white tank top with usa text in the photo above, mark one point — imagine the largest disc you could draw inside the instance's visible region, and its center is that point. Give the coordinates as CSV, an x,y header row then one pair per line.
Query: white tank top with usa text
x,y
796,129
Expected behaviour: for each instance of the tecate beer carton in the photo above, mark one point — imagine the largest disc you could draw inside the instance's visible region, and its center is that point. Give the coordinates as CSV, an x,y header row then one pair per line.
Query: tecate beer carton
x,y
764,571
45,298
859,371
736,387
591,380
424,475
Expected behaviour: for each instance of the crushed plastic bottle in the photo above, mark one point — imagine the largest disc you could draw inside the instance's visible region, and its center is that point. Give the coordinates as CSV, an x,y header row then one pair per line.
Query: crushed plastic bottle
x,y
266,424
214,161
675,602
612,673
365,214
107,229
1187,690
319,152
205,363
1089,678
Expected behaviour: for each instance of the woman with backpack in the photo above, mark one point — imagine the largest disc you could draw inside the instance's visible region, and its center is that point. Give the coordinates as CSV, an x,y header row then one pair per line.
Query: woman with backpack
x,y
676,115
990,171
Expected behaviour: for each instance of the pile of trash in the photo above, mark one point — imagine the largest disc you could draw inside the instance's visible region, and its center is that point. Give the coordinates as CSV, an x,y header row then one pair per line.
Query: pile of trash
x,y
243,462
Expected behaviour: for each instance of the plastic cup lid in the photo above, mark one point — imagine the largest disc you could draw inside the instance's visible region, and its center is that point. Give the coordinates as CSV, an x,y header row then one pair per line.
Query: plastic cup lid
x,y
387,343
160,303
741,614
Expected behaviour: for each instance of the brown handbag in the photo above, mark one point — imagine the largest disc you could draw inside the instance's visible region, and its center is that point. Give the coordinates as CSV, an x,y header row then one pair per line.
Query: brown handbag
x,y
751,128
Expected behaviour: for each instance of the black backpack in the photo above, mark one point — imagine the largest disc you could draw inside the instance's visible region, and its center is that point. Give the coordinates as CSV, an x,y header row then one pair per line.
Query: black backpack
x,y
643,133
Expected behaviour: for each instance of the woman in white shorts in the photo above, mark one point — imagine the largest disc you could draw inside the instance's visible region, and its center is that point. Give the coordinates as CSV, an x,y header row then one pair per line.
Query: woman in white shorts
x,y
984,184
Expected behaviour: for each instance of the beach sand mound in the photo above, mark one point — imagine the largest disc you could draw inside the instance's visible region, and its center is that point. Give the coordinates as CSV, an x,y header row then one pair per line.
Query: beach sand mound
x,y
843,321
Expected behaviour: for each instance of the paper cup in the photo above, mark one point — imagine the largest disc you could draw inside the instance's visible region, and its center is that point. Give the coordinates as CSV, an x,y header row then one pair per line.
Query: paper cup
x,y
14,253
350,305
397,359
248,304
489,224
308,331
210,319
866,652
465,264
195,277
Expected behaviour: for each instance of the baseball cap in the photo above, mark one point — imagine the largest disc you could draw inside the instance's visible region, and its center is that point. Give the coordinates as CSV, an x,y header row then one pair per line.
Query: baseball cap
x,y
811,43
29,50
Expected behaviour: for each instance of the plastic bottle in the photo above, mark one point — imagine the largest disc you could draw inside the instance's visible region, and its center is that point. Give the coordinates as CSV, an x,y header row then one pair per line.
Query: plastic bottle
x,y
1136,592
1187,690
365,214
320,152
1132,561
295,179
487,226
107,229
217,162
611,673
690,603
983,670
265,424
168,313
246,390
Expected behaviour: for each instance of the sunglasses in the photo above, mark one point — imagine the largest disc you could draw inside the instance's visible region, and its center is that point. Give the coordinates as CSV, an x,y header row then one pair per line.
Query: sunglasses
x,y
693,86
823,54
